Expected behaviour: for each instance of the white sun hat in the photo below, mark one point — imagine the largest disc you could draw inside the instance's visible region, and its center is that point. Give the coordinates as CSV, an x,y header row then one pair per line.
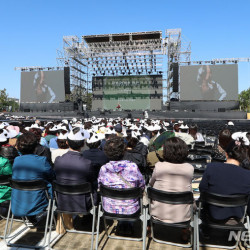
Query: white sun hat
x,y
94,138
237,136
62,136
79,136
4,136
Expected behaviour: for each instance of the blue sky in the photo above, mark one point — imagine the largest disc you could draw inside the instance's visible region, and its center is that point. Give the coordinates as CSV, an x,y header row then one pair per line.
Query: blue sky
x,y
32,30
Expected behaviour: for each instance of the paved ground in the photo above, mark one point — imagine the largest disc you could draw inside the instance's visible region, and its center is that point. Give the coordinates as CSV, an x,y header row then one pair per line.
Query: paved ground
x,y
82,241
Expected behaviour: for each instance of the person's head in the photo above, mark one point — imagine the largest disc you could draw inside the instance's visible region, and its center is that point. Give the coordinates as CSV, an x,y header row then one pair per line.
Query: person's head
x,y
238,151
114,148
27,143
224,138
176,127
37,132
132,142
118,128
175,150
94,141
193,129
62,140
76,139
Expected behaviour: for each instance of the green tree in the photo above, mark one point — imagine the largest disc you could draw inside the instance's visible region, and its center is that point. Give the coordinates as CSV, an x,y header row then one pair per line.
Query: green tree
x,y
3,99
244,99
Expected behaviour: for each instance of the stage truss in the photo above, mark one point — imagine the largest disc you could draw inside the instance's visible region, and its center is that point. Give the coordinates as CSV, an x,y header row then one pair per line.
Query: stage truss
x,y
138,53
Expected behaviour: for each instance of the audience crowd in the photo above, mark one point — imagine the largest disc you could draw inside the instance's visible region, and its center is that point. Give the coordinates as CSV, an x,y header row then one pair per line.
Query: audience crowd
x,y
121,153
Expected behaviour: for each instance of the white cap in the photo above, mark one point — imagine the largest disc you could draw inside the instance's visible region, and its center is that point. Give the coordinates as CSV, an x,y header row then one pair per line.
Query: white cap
x,y
62,127
36,126
79,136
62,136
54,128
230,123
65,121
94,138
241,135
4,136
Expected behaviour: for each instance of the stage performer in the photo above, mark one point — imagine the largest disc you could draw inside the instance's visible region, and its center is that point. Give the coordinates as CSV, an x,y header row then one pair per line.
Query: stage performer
x,y
210,90
118,106
44,93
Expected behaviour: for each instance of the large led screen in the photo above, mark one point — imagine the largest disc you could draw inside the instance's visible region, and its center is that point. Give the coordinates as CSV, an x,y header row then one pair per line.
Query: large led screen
x,y
43,86
128,92
209,82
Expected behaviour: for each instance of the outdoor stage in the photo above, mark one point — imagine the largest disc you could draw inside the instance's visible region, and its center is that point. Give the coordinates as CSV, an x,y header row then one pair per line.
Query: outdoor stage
x,y
178,114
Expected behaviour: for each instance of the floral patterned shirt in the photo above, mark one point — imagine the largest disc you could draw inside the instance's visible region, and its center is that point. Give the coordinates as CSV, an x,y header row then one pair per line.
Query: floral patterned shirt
x,y
109,176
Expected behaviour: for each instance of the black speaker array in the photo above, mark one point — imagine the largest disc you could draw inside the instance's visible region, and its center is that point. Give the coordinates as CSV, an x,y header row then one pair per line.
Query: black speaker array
x,y
67,80
175,77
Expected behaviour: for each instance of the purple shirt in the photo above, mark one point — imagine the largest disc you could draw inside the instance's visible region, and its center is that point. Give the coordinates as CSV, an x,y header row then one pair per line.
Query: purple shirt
x,y
109,176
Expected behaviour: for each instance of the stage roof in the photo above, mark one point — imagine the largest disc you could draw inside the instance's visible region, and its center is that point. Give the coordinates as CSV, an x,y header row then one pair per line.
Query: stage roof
x,y
123,37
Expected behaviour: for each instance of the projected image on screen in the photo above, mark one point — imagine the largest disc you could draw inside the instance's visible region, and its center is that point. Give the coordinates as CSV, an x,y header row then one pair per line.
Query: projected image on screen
x,y
42,86
209,82
128,92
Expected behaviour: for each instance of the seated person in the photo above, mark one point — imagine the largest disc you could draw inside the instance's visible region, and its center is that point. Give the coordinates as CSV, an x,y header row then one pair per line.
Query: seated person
x,y
193,130
119,173
6,160
136,152
63,146
172,175
72,168
95,154
228,178
29,166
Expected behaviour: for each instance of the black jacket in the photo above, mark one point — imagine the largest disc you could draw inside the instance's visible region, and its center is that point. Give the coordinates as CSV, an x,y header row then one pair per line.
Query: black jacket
x,y
138,156
72,168
97,158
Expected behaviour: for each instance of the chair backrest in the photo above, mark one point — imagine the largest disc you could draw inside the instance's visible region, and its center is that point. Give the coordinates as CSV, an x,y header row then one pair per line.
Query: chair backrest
x,y
76,189
173,198
222,200
121,193
28,185
4,180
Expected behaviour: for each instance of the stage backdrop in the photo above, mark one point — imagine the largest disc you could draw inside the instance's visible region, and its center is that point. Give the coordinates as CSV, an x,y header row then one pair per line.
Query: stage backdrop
x,y
130,92
209,82
43,86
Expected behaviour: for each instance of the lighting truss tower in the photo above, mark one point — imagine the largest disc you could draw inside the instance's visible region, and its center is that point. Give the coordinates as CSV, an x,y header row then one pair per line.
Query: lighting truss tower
x,y
178,52
74,59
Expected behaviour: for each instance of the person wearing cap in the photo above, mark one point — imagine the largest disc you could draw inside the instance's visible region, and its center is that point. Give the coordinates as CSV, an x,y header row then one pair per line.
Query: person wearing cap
x,y
63,146
228,178
136,152
193,131
30,166
118,130
5,169
64,128
6,150
94,154
50,132
73,168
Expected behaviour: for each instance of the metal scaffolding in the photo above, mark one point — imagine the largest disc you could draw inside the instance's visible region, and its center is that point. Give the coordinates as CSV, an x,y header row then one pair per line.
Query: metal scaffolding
x,y
178,52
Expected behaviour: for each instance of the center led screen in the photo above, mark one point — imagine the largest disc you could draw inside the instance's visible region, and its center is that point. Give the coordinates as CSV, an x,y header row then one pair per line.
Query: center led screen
x,y
128,92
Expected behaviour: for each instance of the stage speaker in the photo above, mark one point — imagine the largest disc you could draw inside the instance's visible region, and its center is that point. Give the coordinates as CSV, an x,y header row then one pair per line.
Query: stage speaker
x,y
221,110
175,77
67,80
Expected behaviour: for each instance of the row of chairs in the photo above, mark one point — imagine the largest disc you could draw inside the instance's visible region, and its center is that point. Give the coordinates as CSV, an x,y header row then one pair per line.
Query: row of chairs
x,y
132,193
